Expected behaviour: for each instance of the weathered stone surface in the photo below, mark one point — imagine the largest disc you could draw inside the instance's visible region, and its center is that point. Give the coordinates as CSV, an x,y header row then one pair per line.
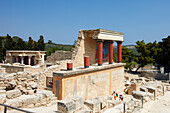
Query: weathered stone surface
x,y
13,93
33,85
2,98
93,104
78,101
11,85
67,106
2,91
17,102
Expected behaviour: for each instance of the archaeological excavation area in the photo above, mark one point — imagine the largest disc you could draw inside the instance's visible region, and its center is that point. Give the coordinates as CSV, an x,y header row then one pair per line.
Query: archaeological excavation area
x,y
79,81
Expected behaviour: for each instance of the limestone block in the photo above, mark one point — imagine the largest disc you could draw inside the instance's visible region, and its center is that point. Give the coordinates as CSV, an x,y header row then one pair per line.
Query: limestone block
x,y
45,93
2,91
11,85
93,104
138,94
67,106
33,85
29,99
14,102
112,103
13,93
2,98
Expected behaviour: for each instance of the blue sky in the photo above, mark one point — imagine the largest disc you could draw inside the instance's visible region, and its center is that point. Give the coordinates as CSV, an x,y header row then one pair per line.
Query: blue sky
x,y
60,20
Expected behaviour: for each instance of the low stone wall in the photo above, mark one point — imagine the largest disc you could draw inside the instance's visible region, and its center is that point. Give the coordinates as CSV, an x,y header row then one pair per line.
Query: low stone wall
x,y
154,74
89,83
2,70
23,68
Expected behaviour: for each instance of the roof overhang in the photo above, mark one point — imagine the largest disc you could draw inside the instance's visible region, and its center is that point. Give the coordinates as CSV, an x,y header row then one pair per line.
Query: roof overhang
x,y
102,34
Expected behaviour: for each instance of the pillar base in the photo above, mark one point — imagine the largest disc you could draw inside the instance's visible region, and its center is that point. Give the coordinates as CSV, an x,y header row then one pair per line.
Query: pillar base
x,y
86,66
110,62
69,68
99,64
119,62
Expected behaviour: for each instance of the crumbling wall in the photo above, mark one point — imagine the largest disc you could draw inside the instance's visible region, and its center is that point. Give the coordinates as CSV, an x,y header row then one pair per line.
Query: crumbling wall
x,y
59,55
85,46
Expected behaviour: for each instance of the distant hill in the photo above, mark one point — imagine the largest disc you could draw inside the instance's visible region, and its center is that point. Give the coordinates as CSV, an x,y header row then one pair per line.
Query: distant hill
x,y
58,46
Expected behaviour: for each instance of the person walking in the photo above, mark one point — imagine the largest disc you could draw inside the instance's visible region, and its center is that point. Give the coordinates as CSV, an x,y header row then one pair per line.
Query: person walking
x,y
115,95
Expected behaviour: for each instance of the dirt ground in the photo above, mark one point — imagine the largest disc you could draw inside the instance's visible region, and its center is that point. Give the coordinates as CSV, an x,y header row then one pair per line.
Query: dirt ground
x,y
160,105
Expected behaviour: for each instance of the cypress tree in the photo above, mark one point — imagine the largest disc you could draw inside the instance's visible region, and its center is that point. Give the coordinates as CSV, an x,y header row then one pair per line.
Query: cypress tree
x,y
1,49
41,44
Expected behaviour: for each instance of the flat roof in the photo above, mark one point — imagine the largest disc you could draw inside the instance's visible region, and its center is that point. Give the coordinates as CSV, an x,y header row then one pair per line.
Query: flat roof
x,y
23,51
80,70
103,34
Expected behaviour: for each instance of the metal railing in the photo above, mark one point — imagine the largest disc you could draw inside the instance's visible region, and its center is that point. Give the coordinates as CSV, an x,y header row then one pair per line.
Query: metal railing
x,y
18,109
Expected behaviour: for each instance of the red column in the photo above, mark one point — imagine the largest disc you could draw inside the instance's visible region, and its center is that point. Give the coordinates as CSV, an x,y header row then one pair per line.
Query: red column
x,y
69,66
110,52
100,53
119,49
86,61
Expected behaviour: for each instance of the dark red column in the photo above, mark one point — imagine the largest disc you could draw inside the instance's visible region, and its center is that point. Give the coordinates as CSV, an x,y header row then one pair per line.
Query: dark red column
x,y
119,49
100,53
110,52
69,66
86,61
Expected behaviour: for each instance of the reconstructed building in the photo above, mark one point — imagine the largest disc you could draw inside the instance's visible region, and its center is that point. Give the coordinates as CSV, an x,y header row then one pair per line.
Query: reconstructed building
x,y
97,80
25,57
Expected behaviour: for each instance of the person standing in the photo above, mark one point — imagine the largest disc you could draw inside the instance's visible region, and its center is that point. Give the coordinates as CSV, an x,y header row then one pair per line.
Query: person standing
x,y
115,95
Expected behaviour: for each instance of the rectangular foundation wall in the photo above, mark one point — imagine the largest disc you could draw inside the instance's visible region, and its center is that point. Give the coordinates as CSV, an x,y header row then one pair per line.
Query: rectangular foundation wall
x,y
90,85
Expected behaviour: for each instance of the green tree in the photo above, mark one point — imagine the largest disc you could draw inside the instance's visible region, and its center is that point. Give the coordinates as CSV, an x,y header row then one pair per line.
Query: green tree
x,y
41,44
21,45
50,42
127,57
147,53
9,43
164,56
1,50
30,44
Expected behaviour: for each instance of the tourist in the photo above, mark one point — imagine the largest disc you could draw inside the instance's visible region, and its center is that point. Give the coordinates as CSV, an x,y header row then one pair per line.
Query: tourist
x,y
121,97
115,95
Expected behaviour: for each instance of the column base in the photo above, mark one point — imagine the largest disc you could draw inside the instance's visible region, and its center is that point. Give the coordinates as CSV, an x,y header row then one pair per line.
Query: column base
x,y
69,68
119,61
99,64
110,62
86,66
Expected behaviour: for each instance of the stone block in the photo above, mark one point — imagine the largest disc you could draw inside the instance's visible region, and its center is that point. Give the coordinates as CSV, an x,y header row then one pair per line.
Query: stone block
x,y
11,85
93,104
78,101
14,102
13,93
2,98
29,99
67,106
2,91
33,85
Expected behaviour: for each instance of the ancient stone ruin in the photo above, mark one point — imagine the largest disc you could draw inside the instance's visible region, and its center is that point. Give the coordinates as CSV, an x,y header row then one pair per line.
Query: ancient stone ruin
x,y
80,81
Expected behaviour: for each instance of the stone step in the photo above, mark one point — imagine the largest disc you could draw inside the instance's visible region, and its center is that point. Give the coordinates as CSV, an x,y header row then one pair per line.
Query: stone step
x,y
54,102
84,111
53,98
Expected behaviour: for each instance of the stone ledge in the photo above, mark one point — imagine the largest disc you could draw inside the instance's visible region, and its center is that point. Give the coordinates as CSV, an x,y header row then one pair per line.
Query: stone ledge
x,y
81,70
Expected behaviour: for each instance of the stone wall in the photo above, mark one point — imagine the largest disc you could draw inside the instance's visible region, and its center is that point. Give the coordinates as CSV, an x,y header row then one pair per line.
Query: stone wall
x,y
91,84
59,55
23,68
84,47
